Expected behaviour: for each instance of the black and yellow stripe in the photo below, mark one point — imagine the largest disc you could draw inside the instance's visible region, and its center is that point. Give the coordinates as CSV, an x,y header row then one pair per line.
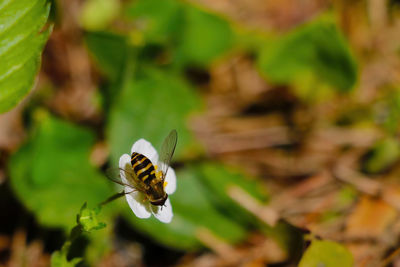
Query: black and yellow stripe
x,y
143,168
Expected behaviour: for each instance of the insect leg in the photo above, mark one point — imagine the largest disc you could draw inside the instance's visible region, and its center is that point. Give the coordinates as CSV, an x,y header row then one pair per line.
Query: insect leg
x,y
133,190
113,197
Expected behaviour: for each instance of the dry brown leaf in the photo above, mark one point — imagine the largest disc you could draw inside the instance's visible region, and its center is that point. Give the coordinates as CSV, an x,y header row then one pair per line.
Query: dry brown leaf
x,y
370,218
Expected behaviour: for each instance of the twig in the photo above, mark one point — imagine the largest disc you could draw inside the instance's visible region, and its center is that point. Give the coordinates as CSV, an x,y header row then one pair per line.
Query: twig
x,y
288,197
390,258
216,244
356,179
254,139
264,213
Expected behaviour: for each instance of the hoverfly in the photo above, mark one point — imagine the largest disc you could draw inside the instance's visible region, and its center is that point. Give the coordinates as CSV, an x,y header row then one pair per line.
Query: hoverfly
x,y
143,176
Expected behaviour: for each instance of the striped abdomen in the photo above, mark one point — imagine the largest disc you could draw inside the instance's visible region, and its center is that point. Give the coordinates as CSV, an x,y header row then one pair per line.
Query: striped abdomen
x,y
143,168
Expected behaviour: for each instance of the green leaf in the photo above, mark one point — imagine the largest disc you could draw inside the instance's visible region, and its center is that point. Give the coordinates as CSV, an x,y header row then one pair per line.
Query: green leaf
x,y
309,88
87,221
194,36
98,14
327,254
51,174
193,211
318,48
382,155
109,51
59,259
87,218
113,55
387,111
21,44
218,179
160,21
205,37
289,237
150,107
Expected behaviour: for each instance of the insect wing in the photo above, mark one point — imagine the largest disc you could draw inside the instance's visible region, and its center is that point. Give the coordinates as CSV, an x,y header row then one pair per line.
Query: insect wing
x,y
114,175
167,151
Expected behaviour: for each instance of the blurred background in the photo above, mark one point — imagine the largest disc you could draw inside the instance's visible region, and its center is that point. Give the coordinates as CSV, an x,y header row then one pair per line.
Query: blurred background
x,y
287,115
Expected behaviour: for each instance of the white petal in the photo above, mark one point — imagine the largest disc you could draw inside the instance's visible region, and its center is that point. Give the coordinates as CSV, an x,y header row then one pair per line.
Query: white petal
x,y
144,147
163,214
170,181
138,204
123,160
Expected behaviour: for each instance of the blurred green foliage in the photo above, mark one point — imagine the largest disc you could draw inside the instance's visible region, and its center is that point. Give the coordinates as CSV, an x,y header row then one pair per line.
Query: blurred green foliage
x,y
110,52
191,36
158,21
59,259
317,48
205,37
218,190
21,44
382,155
51,174
387,111
326,253
97,14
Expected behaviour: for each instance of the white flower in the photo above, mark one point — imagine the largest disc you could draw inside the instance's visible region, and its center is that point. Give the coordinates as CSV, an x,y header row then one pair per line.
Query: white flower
x,y
137,200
